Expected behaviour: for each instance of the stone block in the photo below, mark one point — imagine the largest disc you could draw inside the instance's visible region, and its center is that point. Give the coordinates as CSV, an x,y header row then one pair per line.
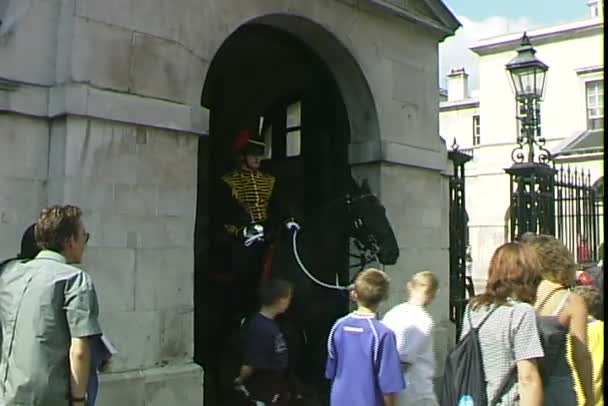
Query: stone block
x,y
28,41
177,334
112,12
175,385
24,195
20,203
100,150
178,385
87,193
122,389
135,231
24,145
168,159
101,54
136,336
165,69
134,109
164,278
107,230
199,117
176,202
180,230
24,99
139,200
113,270
416,219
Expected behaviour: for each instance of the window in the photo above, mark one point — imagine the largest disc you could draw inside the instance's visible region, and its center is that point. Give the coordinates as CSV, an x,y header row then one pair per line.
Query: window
x,y
476,130
293,129
595,104
281,130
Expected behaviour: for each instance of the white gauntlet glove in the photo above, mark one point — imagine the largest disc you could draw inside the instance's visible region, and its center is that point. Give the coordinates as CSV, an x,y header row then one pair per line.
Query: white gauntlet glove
x,y
253,234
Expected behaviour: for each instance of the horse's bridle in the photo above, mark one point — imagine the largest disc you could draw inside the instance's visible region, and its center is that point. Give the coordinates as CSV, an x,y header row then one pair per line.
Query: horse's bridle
x,y
364,240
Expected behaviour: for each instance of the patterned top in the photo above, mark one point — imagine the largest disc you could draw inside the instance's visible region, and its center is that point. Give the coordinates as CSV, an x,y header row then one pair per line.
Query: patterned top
x,y
509,335
252,190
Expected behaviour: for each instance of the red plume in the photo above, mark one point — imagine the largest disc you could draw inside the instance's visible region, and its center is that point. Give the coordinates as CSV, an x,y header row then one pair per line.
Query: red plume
x,y
242,140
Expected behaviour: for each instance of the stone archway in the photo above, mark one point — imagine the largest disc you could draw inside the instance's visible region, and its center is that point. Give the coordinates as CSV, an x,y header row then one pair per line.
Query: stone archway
x,y
351,81
261,70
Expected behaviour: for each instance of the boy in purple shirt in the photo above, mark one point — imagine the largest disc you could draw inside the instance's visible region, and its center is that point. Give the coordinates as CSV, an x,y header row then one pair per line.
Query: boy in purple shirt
x,y
363,363
263,375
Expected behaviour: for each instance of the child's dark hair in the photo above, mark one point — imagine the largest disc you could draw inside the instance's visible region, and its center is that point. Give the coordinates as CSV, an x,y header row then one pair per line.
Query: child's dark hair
x,y
271,291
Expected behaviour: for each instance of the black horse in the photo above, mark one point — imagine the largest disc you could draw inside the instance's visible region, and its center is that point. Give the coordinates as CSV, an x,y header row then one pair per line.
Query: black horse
x,y
314,260
316,267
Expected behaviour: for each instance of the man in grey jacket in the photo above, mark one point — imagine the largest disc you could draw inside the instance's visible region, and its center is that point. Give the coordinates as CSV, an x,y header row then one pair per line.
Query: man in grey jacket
x,y
48,312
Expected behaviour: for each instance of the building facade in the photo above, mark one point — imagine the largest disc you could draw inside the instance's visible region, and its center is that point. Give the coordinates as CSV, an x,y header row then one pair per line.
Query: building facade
x,y
110,106
571,117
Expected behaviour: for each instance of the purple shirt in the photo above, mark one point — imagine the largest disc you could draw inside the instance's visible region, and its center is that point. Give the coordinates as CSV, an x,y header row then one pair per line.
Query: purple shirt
x,y
265,347
363,362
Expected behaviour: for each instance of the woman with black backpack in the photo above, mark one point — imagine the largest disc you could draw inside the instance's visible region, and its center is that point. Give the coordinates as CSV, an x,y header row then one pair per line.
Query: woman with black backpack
x,y
502,323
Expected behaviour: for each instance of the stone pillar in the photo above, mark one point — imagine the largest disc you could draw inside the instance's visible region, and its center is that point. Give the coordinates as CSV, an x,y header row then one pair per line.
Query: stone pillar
x,y
137,188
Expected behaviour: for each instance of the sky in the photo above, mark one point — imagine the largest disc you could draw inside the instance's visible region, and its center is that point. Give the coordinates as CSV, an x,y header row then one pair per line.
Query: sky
x,y
488,18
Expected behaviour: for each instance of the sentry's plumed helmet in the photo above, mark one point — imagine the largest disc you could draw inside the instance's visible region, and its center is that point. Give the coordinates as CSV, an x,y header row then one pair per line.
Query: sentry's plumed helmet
x,y
247,143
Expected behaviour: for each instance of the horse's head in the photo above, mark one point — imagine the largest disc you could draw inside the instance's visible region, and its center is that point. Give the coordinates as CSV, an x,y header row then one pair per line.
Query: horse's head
x,y
371,227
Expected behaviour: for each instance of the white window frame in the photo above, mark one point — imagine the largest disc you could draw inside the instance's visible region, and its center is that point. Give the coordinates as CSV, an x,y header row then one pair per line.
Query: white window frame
x,y
594,104
476,130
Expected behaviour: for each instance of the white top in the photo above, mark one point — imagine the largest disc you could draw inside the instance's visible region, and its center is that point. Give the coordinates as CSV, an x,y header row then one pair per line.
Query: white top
x,y
412,325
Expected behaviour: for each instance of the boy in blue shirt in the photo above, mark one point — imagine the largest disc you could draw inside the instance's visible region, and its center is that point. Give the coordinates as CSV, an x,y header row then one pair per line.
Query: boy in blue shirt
x,y
363,363
263,374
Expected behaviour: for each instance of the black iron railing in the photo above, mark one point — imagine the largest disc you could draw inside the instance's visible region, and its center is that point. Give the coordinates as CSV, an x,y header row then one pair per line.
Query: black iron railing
x,y
578,213
459,238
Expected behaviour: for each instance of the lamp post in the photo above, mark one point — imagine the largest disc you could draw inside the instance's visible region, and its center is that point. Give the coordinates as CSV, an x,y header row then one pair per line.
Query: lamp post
x,y
532,179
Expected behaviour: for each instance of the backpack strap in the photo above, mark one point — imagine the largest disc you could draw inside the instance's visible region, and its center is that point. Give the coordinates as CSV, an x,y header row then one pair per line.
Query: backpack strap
x,y
482,321
546,299
561,304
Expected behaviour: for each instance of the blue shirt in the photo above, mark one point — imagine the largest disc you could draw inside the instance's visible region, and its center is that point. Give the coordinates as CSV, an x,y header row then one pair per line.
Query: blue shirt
x,y
363,362
265,346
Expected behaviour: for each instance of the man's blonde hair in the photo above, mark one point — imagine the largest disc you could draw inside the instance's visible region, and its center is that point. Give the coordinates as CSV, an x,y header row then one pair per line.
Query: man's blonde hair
x,y
371,287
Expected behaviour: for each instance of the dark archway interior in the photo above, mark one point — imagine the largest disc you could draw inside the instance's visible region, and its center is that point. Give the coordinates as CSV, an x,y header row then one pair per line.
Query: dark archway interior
x,y
266,79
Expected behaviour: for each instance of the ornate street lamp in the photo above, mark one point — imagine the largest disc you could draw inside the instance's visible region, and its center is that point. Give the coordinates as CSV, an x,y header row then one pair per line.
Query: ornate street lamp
x,y
532,179
528,76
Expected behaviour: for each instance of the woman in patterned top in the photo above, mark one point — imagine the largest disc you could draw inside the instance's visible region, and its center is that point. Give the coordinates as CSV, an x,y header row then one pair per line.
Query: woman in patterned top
x,y
509,338
561,314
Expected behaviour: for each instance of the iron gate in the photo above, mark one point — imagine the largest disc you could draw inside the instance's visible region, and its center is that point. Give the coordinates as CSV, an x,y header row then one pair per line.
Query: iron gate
x,y
578,214
460,283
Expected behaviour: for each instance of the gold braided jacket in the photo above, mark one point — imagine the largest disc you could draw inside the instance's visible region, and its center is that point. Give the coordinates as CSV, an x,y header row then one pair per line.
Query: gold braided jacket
x,y
252,190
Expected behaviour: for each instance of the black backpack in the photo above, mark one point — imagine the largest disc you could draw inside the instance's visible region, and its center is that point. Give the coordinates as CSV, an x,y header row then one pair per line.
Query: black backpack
x,y
464,379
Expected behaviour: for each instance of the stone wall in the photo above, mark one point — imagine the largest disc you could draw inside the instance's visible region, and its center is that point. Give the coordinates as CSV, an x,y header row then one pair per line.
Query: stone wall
x,y
100,107
137,187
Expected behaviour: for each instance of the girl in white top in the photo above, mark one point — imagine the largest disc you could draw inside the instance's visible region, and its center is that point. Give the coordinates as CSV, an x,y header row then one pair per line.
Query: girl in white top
x,y
413,325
